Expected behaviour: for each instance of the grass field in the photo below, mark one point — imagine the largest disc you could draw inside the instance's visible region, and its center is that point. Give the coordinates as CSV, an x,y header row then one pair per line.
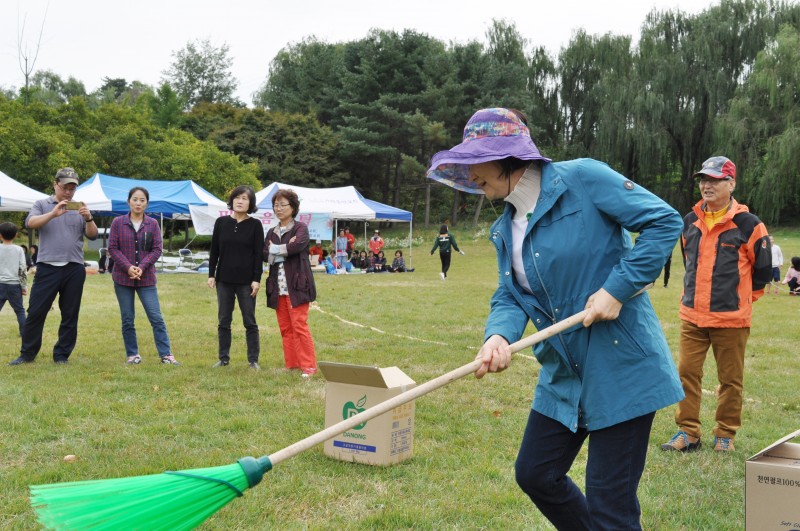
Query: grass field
x,y
131,420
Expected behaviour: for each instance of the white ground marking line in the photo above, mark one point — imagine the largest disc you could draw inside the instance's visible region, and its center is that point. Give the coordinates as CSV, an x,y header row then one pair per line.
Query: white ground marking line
x,y
315,306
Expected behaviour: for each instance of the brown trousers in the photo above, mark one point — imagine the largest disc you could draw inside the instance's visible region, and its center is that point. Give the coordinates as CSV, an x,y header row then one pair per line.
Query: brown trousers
x,y
728,346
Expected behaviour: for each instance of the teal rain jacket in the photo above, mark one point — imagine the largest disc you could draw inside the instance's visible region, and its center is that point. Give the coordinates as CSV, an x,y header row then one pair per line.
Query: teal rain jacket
x,y
576,242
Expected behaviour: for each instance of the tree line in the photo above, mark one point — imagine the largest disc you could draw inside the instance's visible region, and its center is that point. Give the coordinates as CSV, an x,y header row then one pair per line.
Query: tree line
x,y
371,112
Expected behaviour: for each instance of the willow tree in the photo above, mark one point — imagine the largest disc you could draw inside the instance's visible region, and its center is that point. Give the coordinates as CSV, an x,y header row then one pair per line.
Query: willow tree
x,y
544,117
583,64
688,68
616,140
763,129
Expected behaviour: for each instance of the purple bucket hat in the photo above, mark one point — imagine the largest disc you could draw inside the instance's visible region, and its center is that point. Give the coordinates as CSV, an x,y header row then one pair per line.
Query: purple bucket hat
x,y
491,134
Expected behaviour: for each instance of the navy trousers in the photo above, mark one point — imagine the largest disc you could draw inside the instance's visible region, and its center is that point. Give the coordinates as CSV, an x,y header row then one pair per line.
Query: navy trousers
x,y
613,469
66,282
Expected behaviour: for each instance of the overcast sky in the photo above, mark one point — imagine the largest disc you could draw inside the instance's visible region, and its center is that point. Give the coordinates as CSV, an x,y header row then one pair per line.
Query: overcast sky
x,y
93,39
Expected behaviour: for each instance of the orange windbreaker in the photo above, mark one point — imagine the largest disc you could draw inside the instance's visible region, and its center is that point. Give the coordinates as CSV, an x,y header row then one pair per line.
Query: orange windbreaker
x,y
727,267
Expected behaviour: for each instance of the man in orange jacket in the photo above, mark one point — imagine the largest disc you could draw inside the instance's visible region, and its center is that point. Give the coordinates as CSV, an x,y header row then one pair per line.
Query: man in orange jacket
x,y
728,260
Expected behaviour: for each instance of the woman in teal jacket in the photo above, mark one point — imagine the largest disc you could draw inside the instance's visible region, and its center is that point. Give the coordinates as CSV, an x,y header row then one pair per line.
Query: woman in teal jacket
x,y
563,245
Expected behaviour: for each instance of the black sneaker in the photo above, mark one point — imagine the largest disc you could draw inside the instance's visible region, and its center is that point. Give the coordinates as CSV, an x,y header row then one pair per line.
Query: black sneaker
x,y
221,363
19,361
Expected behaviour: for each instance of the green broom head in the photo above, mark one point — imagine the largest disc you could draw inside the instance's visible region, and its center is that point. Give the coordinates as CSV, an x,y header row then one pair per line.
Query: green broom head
x,y
171,500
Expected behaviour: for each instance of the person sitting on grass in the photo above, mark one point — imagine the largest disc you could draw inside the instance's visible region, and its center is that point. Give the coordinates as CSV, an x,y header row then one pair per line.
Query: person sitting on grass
x,y
793,277
361,261
378,263
328,263
399,263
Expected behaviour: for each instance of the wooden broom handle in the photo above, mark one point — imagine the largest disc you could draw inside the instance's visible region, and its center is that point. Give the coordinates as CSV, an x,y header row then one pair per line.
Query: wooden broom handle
x,y
418,391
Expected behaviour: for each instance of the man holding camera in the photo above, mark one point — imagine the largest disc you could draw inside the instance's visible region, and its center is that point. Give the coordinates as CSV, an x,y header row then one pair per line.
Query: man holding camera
x,y
62,224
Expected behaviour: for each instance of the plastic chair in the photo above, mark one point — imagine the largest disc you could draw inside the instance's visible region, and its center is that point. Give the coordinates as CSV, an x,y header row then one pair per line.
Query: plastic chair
x,y
185,255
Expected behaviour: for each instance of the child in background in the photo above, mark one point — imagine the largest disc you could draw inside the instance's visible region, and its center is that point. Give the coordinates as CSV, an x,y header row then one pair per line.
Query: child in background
x,y
793,277
13,273
777,263
444,242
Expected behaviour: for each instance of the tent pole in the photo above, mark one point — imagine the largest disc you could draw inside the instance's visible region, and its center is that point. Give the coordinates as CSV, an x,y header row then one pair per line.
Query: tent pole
x,y
410,236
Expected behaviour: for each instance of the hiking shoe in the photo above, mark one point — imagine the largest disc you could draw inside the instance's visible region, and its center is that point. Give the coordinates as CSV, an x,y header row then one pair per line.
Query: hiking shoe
x,y
221,363
19,361
169,360
680,443
723,444
254,365
134,360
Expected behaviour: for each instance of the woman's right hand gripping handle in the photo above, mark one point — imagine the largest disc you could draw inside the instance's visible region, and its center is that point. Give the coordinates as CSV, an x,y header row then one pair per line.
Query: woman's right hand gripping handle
x,y
495,354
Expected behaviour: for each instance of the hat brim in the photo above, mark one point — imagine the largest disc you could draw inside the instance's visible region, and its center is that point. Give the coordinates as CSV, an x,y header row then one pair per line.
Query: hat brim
x,y
68,180
451,167
707,172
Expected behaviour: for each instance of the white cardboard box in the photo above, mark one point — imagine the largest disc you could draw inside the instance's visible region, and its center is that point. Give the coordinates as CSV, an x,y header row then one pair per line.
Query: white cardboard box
x,y
772,487
350,389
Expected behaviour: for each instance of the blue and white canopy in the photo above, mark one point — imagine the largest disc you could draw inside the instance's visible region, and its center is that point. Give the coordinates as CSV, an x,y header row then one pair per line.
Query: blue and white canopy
x,y
106,195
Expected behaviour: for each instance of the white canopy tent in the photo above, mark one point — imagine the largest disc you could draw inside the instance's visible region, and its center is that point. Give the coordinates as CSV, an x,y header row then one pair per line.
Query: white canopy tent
x,y
343,203
15,196
320,208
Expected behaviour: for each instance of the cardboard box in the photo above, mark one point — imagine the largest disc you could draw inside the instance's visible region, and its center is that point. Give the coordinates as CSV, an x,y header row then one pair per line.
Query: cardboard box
x,y
350,389
772,486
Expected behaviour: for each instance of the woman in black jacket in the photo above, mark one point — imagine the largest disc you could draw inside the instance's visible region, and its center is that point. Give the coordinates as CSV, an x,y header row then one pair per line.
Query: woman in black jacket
x,y
234,269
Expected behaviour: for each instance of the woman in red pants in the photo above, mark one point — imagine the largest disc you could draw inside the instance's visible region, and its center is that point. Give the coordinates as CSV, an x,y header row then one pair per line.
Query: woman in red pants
x,y
290,284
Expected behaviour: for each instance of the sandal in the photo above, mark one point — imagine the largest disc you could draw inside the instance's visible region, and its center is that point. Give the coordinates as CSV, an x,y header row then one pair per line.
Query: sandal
x,y
134,360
